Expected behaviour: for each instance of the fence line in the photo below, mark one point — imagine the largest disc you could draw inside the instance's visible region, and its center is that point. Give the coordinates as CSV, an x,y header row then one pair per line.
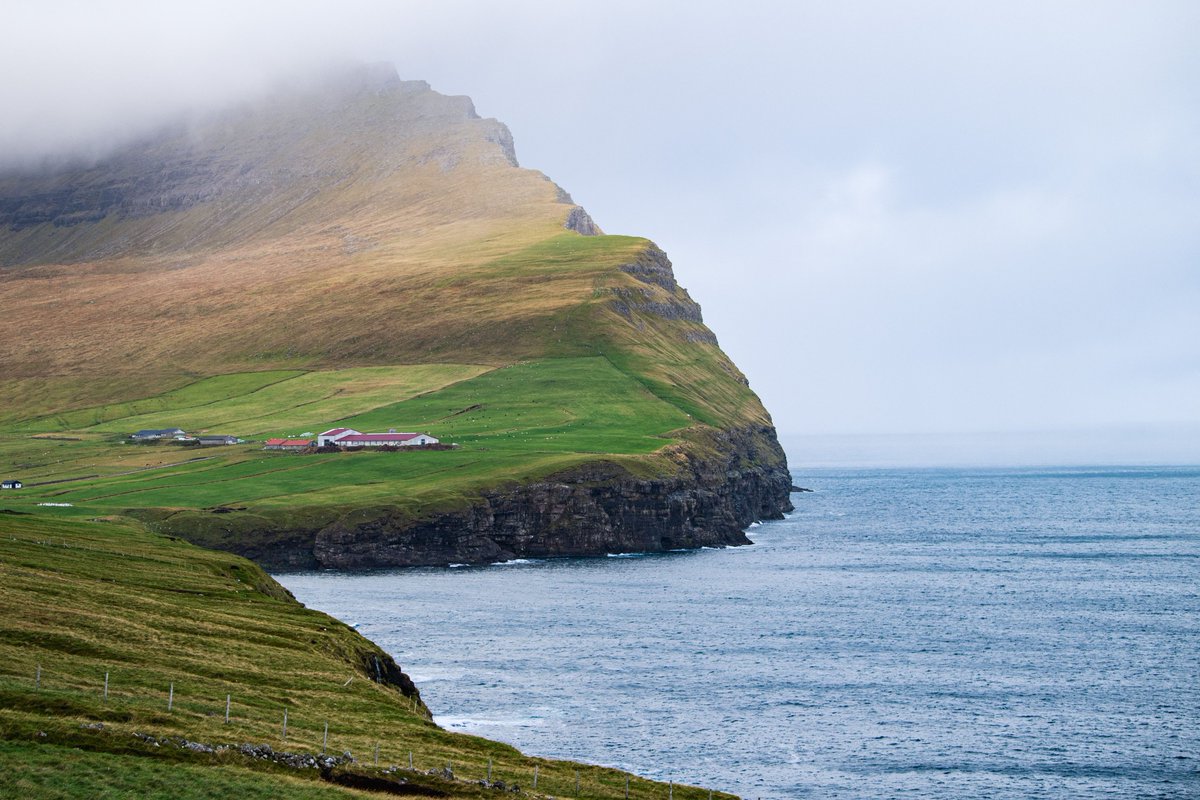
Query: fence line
x,y
378,746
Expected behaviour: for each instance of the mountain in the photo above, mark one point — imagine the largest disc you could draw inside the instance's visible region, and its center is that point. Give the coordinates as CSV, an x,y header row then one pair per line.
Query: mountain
x,y
362,252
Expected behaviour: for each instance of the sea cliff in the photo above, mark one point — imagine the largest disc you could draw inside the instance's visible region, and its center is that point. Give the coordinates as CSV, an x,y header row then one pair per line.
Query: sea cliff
x,y
591,510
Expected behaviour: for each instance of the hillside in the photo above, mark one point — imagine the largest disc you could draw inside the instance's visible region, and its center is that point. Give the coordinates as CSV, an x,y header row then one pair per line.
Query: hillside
x,y
180,635
362,252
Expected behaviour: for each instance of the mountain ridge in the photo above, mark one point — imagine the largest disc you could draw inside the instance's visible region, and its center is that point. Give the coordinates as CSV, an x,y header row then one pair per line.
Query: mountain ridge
x,y
370,222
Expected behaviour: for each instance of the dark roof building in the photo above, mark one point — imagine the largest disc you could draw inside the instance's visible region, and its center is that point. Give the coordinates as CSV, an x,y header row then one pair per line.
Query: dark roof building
x,y
215,440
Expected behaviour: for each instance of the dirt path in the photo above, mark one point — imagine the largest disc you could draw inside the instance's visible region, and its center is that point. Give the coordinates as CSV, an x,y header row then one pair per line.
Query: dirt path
x,y
116,474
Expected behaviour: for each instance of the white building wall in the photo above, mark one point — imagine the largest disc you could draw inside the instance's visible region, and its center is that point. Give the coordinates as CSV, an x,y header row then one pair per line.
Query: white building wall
x,y
324,440
417,441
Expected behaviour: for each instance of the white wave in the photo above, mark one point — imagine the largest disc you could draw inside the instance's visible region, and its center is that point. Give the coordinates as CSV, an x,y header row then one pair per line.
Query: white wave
x,y
516,561
477,723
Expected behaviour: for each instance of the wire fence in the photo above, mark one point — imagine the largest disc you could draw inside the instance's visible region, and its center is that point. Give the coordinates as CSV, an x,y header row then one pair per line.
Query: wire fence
x,y
297,735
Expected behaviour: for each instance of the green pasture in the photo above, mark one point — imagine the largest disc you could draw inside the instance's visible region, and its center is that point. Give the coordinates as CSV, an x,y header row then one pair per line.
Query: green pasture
x,y
514,423
201,393
253,403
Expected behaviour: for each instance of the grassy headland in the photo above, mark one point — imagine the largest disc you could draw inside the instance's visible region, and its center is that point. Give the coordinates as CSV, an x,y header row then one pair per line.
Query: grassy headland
x,y
82,599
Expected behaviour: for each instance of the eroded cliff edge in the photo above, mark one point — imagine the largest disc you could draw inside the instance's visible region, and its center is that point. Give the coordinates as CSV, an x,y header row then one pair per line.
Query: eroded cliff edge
x,y
592,510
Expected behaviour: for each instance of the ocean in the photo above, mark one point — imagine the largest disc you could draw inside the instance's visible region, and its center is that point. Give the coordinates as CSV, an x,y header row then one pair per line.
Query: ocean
x,y
931,633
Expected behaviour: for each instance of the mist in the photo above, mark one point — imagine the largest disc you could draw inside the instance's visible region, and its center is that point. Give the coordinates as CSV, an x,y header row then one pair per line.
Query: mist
x,y
926,218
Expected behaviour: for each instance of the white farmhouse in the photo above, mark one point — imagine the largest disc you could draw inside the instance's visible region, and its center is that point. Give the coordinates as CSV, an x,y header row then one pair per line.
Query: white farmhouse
x,y
348,437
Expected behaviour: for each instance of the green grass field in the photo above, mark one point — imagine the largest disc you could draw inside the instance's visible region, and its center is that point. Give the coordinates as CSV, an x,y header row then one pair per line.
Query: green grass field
x,y
512,423
56,772
81,599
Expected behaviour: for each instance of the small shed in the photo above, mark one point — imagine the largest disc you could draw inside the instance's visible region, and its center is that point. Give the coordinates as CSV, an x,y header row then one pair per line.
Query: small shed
x,y
212,440
12,483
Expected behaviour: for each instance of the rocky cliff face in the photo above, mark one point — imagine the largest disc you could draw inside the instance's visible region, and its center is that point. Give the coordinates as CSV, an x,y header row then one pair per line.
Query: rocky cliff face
x,y
590,511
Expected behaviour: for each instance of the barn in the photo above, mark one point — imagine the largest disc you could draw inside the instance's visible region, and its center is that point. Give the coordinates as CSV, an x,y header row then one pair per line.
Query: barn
x,y
382,439
330,436
348,437
288,444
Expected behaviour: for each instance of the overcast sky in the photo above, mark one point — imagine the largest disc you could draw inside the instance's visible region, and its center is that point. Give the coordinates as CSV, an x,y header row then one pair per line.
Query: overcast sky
x,y
899,217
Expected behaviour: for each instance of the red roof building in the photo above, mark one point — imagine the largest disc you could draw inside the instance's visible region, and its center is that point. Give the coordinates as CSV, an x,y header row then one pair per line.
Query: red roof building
x,y
287,444
348,437
376,438
357,439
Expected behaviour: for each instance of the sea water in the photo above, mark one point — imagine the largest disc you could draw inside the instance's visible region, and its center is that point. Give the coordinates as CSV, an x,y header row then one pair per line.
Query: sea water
x,y
926,633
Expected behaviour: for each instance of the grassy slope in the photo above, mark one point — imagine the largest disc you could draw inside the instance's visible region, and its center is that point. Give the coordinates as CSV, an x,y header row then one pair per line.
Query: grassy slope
x,y
56,772
81,599
407,276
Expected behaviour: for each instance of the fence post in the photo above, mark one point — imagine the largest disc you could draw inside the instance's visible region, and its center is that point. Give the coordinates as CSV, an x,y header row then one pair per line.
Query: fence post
x,y
325,738
377,754
106,686
410,766
37,680
577,783
671,790
489,770
626,787
535,774
170,697
227,698
284,737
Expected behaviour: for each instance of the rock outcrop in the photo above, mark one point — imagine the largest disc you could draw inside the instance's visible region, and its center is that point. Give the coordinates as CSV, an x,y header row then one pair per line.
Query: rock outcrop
x,y
581,222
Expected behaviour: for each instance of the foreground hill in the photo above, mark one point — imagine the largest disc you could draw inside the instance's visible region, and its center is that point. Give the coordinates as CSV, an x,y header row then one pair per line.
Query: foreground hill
x,y
363,252
122,653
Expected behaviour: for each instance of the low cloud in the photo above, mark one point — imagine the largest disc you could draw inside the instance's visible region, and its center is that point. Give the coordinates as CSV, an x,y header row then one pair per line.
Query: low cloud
x,y
921,216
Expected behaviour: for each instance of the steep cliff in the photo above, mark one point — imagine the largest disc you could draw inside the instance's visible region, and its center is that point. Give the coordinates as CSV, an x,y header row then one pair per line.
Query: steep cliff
x,y
365,252
593,510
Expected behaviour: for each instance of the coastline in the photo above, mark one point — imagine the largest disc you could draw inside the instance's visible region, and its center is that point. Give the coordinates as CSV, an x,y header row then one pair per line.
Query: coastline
x,y
593,510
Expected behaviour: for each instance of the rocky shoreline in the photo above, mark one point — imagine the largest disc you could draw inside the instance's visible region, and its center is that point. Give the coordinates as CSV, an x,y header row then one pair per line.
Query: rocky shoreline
x,y
593,510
